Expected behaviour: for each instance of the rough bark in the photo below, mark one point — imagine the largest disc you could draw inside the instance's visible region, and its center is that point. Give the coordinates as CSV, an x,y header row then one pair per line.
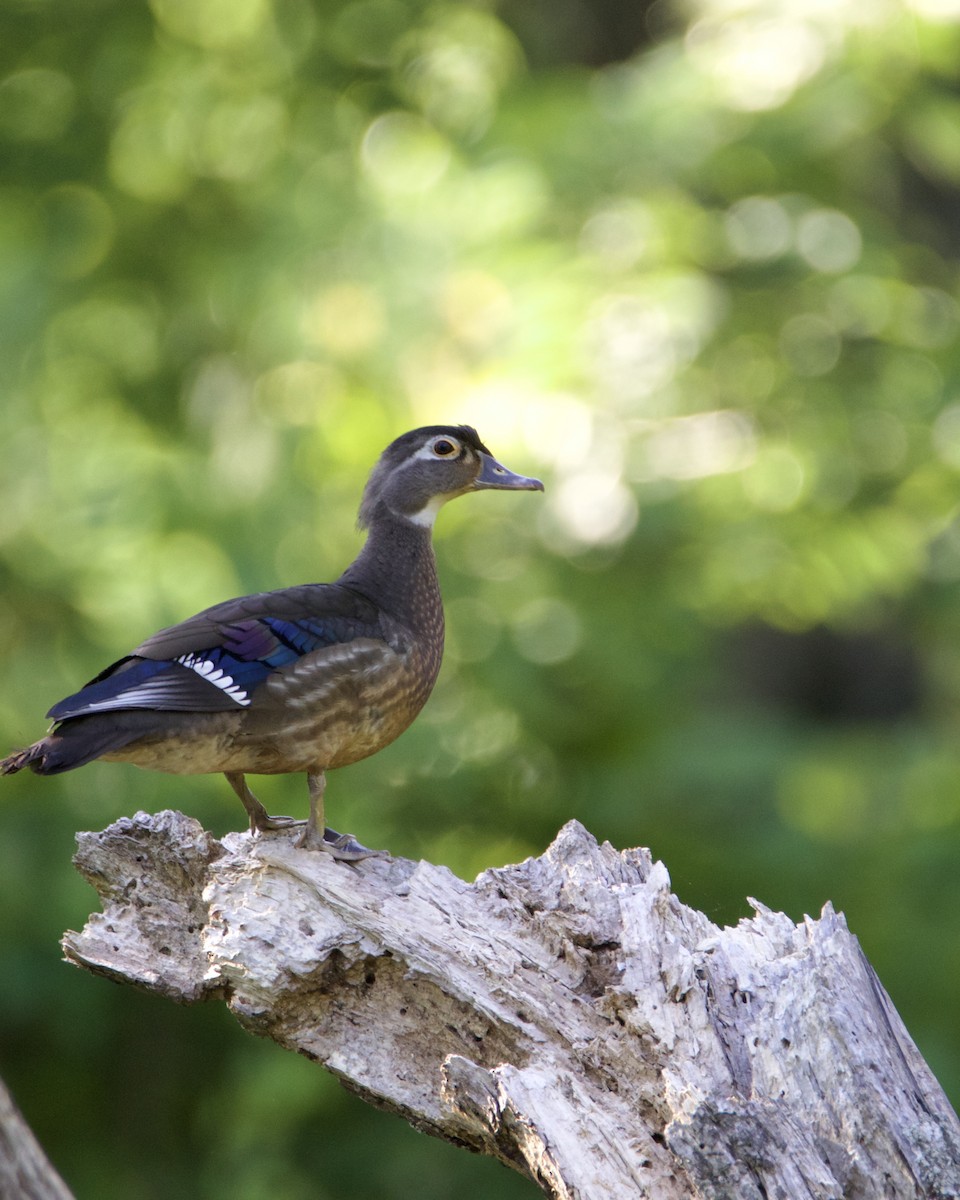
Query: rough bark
x,y
567,1015
25,1171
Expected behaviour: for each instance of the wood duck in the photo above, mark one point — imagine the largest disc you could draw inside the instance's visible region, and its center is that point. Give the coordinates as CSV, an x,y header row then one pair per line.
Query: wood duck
x,y
302,679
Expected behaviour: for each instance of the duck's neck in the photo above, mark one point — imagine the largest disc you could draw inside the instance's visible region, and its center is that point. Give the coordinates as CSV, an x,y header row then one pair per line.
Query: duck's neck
x,y
396,569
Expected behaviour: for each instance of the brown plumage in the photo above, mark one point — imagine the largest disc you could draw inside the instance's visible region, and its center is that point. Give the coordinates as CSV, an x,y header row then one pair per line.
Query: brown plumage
x,y
303,679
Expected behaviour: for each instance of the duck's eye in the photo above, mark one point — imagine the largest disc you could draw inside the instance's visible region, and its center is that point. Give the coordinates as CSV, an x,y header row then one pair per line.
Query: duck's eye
x,y
444,448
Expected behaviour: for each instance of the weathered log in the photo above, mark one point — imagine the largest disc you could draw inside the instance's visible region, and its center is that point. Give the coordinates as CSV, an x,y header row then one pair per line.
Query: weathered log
x,y
25,1171
567,1015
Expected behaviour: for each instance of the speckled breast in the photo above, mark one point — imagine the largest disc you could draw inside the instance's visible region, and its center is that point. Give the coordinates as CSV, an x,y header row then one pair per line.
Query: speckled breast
x,y
338,705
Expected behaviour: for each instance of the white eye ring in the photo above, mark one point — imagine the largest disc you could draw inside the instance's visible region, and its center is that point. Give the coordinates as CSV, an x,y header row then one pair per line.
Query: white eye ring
x,y
444,447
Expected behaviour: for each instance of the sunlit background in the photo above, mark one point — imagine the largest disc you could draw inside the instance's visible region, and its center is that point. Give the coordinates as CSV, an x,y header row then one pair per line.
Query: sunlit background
x,y
697,265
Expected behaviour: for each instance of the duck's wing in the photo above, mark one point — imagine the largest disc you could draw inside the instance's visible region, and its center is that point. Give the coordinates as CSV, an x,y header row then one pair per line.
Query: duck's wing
x,y
217,660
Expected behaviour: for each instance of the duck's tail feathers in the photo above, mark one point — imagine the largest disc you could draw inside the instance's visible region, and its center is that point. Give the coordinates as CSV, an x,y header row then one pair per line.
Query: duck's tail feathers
x,y
70,745
31,757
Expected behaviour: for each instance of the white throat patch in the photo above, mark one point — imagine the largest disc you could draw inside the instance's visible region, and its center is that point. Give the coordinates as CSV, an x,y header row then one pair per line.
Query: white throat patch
x,y
428,514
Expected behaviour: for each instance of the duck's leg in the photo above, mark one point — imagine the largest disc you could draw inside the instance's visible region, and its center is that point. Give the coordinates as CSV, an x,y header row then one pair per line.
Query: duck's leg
x,y
260,819
316,835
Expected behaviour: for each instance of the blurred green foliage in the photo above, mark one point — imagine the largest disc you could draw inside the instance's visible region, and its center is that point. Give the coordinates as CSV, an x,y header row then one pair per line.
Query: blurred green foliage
x,y
700,271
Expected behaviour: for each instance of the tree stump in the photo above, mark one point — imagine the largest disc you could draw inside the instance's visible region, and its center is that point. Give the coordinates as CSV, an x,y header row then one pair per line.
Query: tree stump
x,y
567,1015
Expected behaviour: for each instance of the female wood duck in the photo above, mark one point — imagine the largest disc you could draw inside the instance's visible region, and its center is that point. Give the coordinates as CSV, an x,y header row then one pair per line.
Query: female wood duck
x,y
302,679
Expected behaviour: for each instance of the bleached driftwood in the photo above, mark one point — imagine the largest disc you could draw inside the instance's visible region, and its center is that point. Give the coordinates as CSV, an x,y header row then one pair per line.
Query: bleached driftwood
x,y
567,1015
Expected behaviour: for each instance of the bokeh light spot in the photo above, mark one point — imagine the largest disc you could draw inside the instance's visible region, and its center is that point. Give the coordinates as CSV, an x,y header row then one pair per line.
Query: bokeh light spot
x,y
712,443
121,330
36,104
346,319
632,346
756,63
294,393
825,800
241,137
480,735
758,228
589,507
213,24
775,480
150,148
455,67
79,229
619,234
928,318
476,307
546,631
494,202
828,240
860,305
403,153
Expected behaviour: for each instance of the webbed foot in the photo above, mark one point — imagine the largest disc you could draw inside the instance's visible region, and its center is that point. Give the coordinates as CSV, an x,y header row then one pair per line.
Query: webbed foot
x,y
344,847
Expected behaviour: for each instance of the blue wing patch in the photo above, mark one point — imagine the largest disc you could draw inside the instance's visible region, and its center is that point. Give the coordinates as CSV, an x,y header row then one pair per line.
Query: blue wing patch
x,y
274,641
300,637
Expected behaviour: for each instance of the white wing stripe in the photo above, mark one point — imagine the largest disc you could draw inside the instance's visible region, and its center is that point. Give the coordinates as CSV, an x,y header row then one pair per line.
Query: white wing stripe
x,y
213,674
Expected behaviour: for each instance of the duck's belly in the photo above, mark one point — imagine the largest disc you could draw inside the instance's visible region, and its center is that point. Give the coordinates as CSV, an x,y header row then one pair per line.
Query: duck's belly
x,y
189,753
312,746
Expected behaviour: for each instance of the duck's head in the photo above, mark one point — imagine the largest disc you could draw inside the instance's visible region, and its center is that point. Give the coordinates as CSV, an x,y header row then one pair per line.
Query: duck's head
x,y
420,471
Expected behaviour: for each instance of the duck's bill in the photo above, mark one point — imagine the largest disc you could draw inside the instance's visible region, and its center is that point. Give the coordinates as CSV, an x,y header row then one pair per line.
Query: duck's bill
x,y
495,475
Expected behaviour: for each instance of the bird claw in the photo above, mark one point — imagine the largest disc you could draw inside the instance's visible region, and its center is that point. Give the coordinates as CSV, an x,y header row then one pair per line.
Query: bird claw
x,y
344,847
